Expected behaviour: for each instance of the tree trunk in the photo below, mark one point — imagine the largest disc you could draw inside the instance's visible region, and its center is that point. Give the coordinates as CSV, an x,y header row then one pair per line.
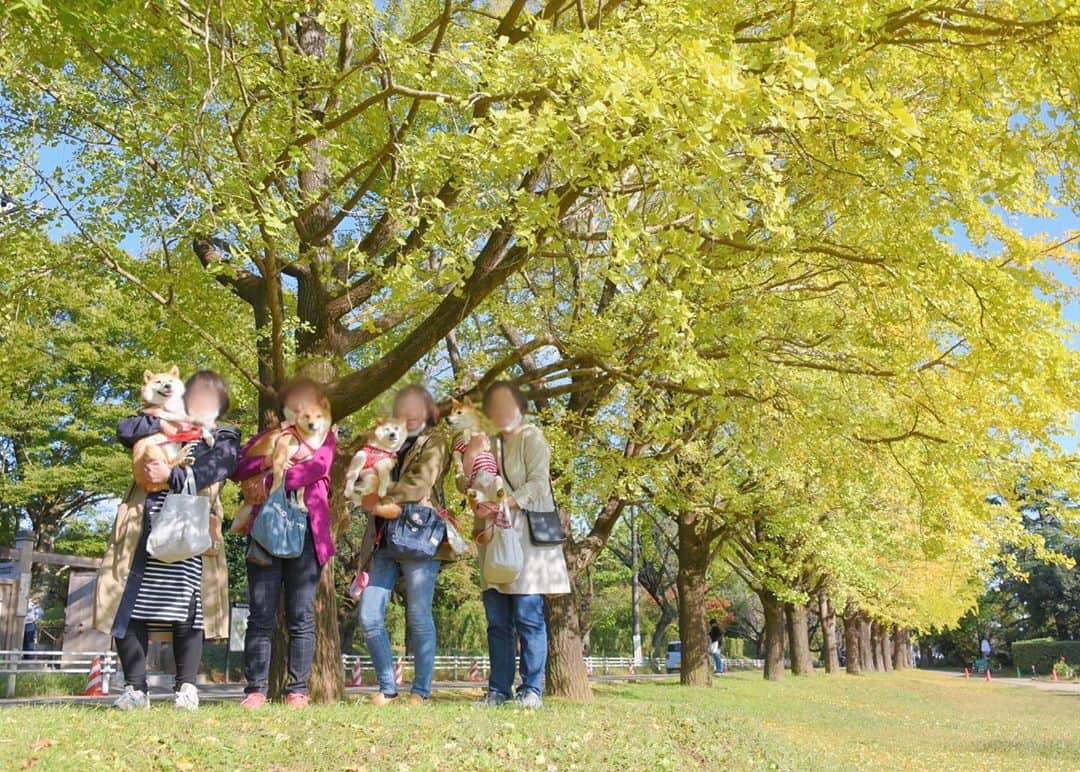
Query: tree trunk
x,y
659,636
774,636
828,634
875,647
884,647
901,650
693,584
866,653
852,658
566,673
802,662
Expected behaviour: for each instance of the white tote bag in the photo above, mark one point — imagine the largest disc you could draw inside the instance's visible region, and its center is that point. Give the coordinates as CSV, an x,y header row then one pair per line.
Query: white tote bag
x,y
503,557
181,528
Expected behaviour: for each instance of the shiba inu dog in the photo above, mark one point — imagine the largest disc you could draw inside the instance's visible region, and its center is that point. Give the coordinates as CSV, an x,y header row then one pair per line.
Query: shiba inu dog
x,y
295,440
373,463
473,456
163,397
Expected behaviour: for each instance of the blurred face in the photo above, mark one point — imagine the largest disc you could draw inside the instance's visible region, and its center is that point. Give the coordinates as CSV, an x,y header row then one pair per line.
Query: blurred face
x,y
502,409
411,409
299,397
202,401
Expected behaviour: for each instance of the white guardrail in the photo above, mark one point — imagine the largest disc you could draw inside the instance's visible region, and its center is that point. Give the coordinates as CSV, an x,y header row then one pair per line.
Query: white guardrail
x,y
16,663
458,667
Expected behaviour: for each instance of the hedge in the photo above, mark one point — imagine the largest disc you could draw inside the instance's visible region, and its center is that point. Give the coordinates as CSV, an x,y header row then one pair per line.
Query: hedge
x,y
1042,653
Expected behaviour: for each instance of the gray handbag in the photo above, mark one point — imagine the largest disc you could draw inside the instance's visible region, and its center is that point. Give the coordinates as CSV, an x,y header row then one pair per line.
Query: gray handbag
x,y
181,528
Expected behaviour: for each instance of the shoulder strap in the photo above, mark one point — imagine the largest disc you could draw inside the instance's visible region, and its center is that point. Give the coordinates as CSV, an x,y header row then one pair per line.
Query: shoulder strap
x,y
502,463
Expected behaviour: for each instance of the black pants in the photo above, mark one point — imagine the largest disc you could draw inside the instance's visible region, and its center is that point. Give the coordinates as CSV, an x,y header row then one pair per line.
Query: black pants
x,y
187,650
299,577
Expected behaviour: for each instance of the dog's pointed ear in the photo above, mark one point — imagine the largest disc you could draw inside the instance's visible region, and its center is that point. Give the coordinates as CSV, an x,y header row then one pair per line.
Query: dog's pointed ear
x,y
174,371
147,376
324,403
454,402
468,401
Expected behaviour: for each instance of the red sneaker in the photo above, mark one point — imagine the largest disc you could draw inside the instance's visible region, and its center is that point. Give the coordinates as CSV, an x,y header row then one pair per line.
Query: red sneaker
x,y
253,701
294,700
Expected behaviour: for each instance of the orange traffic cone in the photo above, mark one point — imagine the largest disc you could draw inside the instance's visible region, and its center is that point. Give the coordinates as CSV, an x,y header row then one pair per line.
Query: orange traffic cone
x,y
474,670
987,672
967,673
95,681
357,675
399,673
630,668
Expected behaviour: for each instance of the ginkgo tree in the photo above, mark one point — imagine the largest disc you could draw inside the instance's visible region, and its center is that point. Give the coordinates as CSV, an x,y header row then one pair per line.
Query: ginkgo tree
x,y
766,188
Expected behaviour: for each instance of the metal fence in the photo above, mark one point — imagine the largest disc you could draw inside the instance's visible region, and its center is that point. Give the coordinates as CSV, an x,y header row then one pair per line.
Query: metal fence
x,y
14,663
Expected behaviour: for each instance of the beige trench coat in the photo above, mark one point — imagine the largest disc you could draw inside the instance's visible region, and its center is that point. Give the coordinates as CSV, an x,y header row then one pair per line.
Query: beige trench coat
x,y
120,555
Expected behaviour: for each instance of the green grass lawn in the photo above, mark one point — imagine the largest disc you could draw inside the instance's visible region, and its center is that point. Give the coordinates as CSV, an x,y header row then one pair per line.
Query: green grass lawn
x,y
905,720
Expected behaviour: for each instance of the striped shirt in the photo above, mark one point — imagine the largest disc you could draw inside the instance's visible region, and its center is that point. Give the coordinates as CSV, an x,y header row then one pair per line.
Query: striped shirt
x,y
166,591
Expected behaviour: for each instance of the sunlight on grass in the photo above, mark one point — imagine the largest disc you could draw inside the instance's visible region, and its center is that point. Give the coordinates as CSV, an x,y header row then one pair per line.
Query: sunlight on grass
x,y
906,720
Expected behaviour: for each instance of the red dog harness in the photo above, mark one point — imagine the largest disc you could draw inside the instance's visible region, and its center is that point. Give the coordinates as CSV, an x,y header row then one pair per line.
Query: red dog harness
x,y
373,454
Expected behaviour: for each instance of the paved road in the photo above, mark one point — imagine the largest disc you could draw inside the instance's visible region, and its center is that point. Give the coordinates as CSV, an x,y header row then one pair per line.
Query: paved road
x,y
1042,684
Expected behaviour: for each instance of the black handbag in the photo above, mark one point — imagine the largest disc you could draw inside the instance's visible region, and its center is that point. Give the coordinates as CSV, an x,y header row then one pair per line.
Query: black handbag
x,y
545,527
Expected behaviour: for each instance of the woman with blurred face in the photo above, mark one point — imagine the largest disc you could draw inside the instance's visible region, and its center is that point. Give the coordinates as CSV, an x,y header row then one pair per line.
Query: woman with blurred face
x,y
422,462
137,595
515,611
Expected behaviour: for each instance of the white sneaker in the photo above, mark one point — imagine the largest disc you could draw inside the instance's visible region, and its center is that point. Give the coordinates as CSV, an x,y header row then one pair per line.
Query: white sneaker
x,y
529,700
187,698
132,699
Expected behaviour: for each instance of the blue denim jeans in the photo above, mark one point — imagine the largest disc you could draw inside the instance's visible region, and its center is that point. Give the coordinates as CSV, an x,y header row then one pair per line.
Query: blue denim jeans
x,y
420,576
299,577
718,659
510,617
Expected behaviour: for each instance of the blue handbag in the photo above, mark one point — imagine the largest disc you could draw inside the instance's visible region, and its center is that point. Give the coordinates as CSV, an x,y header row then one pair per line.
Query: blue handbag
x,y
415,534
281,525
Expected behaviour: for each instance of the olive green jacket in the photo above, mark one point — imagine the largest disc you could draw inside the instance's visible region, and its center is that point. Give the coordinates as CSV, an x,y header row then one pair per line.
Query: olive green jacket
x,y
419,481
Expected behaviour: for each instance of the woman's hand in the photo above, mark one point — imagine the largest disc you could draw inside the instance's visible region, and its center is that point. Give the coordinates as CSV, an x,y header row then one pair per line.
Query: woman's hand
x,y
157,472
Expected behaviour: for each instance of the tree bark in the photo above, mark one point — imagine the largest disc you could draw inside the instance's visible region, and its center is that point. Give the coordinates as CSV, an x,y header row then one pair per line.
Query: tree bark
x,y
866,653
901,650
566,673
802,661
693,583
852,659
884,647
828,634
774,636
659,636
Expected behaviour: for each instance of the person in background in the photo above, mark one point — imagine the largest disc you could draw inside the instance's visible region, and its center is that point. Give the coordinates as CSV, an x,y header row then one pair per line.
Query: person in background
x,y
137,595
515,611
33,614
716,643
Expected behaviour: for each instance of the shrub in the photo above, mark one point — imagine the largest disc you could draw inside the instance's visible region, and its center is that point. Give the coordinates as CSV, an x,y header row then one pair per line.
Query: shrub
x,y
733,647
1043,653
